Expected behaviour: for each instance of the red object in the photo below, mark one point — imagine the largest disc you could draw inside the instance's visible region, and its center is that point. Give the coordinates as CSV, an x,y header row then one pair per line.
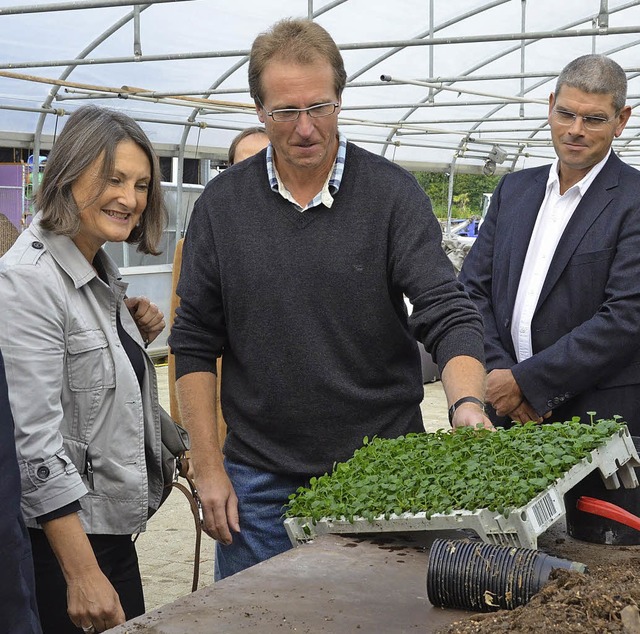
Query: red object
x,y
606,509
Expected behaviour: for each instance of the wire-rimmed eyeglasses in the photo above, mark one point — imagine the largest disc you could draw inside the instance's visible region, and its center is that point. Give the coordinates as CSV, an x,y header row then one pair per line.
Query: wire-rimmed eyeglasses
x,y
292,114
590,122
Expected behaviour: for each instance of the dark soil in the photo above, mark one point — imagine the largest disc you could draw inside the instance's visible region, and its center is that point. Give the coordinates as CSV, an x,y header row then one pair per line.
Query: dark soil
x,y
604,600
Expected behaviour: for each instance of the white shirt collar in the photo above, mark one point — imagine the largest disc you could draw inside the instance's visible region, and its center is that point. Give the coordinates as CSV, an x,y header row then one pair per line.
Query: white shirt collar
x,y
584,183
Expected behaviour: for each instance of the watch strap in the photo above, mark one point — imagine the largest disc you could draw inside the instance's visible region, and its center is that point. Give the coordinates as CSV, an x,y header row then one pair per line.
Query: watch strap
x,y
460,401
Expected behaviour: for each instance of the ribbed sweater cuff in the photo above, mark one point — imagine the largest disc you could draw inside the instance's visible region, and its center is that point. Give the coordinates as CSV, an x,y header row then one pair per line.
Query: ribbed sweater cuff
x,y
459,343
186,365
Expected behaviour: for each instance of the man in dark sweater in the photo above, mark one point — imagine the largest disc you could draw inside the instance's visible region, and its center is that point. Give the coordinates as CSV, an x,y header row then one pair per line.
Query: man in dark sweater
x,y
295,268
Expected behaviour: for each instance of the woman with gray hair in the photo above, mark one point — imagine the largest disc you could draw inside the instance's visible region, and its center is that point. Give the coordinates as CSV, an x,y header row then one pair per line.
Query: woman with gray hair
x,y
82,388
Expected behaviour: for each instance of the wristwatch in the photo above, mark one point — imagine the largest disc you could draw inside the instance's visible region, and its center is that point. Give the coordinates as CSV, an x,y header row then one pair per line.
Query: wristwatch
x,y
460,401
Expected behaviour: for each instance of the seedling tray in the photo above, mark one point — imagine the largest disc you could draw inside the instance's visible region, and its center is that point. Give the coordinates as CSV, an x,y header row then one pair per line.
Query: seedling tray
x,y
616,459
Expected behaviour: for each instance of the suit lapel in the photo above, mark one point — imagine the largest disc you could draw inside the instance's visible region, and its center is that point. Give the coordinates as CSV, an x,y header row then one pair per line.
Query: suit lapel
x,y
593,203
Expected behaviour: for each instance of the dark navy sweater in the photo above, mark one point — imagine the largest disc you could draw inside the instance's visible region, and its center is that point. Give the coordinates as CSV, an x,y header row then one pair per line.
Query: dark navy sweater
x,y
308,311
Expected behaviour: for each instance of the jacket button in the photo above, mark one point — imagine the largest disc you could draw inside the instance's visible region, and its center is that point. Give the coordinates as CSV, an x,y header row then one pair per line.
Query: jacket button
x,y
550,404
556,400
43,472
37,245
567,395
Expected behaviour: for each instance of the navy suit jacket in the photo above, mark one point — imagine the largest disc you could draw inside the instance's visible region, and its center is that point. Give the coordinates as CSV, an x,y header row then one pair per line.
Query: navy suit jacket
x,y
586,326
18,610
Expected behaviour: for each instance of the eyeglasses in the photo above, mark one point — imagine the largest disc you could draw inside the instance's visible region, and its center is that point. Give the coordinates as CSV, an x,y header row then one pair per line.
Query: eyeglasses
x,y
590,122
292,114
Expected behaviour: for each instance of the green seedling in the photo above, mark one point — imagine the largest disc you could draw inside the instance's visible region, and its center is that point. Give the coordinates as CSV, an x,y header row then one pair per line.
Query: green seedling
x,y
445,471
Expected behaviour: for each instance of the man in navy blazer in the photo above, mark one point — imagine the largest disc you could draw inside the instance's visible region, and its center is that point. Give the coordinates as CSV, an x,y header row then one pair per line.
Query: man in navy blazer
x,y
555,269
18,609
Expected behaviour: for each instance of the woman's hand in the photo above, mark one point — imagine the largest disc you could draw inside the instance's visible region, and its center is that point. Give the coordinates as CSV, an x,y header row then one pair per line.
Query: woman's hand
x,y
91,599
148,317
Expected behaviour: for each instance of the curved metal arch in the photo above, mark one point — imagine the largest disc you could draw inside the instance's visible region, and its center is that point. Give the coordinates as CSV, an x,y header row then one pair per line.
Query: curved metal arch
x,y
533,87
544,125
69,69
312,15
540,128
194,113
464,141
395,125
496,57
431,94
424,34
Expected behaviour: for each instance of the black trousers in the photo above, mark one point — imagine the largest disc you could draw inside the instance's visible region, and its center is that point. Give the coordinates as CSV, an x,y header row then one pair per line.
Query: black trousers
x,y
118,560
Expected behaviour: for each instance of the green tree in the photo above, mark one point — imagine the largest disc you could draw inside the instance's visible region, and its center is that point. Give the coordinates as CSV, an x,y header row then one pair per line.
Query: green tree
x,y
461,201
467,191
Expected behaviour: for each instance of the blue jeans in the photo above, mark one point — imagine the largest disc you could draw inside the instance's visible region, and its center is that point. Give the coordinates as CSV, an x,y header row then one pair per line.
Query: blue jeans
x,y
261,498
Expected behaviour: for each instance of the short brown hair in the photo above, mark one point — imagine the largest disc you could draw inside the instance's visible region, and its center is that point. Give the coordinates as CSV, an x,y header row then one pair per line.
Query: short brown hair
x,y
299,41
243,135
90,133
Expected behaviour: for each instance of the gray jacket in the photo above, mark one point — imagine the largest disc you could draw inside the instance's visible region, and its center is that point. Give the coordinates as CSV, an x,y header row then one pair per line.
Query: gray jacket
x,y
84,428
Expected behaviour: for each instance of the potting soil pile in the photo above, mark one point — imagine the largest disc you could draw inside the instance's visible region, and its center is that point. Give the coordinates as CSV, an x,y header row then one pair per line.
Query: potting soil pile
x,y
605,599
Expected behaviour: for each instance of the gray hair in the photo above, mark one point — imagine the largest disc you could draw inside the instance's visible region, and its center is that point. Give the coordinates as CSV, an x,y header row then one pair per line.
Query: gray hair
x,y
92,133
299,41
595,74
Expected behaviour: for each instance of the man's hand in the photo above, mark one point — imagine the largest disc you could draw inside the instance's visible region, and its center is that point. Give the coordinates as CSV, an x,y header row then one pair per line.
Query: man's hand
x,y
196,396
464,376
470,415
148,317
525,413
219,507
503,392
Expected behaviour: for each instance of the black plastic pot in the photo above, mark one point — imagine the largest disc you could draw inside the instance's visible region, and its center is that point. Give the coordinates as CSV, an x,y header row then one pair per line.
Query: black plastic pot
x,y
594,528
473,575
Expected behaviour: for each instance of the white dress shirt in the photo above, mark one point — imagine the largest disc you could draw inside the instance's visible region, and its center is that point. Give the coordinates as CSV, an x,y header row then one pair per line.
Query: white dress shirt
x,y
554,216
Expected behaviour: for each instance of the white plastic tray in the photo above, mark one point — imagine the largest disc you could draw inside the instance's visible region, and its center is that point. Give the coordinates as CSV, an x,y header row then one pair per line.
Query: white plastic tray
x,y
616,459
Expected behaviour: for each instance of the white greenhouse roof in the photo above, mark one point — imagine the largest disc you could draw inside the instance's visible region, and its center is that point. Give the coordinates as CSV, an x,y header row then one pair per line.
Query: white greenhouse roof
x,y
464,75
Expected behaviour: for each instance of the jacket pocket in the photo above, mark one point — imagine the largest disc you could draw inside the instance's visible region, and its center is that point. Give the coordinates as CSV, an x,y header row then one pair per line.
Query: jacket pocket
x,y
89,361
590,257
76,451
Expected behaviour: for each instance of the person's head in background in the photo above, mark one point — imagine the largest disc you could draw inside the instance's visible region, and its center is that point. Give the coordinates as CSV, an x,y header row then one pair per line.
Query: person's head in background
x,y
249,142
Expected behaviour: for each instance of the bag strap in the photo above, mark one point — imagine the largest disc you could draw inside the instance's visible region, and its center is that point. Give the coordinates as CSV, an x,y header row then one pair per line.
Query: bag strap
x,y
196,509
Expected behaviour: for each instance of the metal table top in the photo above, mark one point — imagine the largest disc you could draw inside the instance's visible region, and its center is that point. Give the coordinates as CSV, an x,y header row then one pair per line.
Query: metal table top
x,y
335,584
339,584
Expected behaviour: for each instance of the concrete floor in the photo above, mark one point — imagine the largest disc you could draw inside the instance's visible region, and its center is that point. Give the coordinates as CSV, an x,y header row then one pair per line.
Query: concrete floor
x,y
166,550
